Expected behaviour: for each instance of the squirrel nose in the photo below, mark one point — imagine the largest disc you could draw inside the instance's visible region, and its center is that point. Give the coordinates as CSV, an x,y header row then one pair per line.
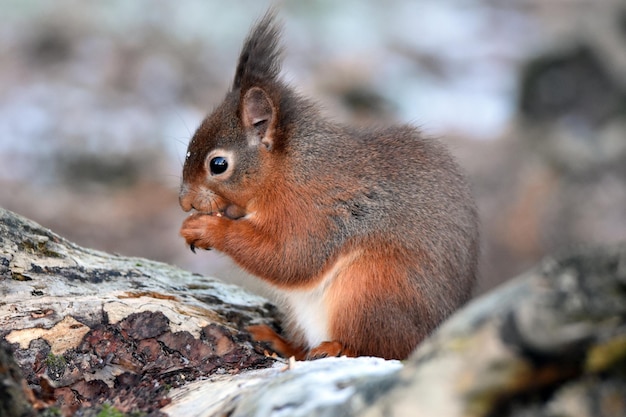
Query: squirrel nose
x,y
185,199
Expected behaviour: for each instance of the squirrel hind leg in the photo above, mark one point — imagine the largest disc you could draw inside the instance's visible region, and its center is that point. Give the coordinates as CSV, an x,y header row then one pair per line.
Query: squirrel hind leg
x,y
265,334
376,310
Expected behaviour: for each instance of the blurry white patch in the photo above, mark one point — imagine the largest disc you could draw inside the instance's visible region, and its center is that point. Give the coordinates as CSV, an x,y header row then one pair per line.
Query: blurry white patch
x,y
309,313
308,308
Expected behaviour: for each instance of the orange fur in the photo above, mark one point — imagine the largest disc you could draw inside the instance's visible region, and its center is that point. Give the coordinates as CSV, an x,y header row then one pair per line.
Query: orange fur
x,y
380,280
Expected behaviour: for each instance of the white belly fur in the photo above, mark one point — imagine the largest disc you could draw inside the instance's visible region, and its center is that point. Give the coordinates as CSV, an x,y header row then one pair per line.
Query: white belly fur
x,y
308,310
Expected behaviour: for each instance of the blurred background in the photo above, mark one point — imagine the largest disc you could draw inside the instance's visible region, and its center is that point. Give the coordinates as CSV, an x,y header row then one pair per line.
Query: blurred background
x,y
99,99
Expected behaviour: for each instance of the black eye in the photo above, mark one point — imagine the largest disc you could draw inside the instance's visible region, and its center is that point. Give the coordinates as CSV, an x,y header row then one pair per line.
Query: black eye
x,y
218,165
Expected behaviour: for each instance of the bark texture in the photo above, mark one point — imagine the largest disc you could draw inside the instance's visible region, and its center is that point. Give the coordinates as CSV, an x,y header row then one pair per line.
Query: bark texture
x,y
89,328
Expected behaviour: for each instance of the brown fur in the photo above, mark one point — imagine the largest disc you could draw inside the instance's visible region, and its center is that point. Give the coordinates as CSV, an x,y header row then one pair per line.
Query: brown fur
x,y
390,205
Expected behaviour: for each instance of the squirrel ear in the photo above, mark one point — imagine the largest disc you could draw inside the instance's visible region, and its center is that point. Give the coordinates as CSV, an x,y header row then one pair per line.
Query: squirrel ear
x,y
258,116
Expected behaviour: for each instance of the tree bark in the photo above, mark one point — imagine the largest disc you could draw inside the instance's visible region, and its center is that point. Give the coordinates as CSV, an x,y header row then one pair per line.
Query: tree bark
x,y
89,328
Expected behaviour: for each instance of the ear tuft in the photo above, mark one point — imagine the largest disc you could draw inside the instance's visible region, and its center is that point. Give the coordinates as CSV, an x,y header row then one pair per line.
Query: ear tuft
x,y
260,57
258,116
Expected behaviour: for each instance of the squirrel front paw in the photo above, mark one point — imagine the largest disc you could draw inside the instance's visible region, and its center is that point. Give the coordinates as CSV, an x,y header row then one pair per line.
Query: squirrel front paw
x,y
202,230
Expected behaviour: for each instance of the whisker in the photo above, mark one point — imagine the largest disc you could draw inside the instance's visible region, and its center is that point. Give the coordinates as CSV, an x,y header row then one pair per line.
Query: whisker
x,y
183,142
180,117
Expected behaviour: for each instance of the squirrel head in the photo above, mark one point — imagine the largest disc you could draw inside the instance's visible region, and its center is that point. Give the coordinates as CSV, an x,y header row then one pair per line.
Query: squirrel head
x,y
237,149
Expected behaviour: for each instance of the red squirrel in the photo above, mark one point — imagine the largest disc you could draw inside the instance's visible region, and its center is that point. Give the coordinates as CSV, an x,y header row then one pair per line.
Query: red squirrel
x,y
368,235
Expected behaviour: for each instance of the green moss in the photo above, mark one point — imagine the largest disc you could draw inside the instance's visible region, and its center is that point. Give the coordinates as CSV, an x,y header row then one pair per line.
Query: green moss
x,y
56,365
110,411
55,361
17,276
198,287
51,412
40,246
603,356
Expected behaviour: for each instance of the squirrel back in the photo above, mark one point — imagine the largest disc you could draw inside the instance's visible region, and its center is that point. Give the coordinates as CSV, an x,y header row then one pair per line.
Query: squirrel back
x,y
370,235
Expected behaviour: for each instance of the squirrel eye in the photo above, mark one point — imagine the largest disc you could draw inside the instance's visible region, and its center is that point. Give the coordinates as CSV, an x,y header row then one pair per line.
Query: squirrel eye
x,y
218,165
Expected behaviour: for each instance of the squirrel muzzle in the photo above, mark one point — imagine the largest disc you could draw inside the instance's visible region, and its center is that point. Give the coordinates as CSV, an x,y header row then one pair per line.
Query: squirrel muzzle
x,y
206,201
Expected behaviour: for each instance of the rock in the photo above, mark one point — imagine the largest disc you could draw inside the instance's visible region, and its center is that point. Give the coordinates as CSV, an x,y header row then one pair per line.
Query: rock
x,y
549,343
92,331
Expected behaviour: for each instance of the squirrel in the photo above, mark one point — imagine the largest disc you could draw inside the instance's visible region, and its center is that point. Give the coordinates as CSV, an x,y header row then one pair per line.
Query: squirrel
x,y
368,235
